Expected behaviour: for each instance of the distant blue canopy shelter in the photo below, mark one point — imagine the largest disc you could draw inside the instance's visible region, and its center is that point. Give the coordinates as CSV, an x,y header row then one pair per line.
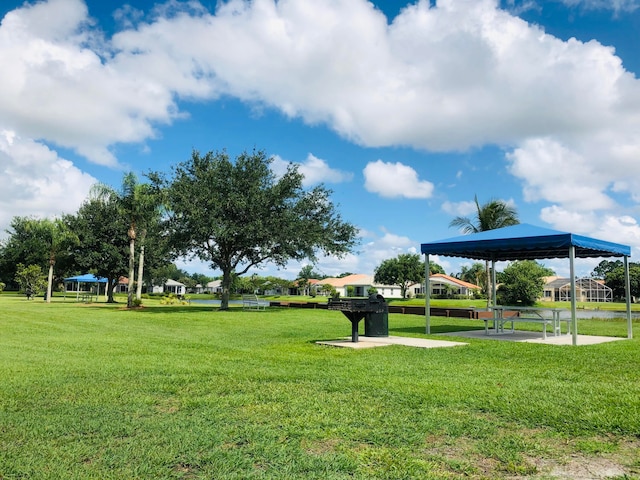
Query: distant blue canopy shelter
x,y
528,242
85,279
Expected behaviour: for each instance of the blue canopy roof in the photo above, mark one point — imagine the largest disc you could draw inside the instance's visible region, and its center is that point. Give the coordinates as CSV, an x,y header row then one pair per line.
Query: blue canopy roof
x,y
523,242
86,278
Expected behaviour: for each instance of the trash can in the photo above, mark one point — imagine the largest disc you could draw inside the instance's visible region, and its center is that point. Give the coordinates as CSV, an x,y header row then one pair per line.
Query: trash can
x,y
376,320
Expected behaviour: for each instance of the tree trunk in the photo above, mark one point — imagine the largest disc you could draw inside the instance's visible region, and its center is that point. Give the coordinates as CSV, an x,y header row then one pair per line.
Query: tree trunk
x,y
226,285
110,287
132,253
140,272
50,281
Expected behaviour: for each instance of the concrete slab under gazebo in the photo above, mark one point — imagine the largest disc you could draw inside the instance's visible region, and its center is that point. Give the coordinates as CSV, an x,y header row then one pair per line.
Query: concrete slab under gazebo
x,y
528,242
82,280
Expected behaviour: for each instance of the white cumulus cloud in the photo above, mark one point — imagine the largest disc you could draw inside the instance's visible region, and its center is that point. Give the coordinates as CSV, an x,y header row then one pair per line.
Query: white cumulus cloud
x,y
393,180
42,184
314,169
448,77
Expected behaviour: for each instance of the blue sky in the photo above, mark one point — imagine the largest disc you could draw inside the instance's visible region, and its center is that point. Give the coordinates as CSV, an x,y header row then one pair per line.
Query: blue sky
x,y
405,111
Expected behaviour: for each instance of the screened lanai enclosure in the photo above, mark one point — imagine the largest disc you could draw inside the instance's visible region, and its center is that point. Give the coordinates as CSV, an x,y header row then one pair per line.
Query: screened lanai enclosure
x,y
587,290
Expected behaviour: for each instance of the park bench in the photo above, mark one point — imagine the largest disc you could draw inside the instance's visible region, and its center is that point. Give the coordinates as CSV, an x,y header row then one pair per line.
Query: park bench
x,y
251,302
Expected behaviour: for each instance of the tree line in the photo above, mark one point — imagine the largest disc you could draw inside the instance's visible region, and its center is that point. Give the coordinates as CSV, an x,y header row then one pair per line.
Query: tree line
x,y
232,214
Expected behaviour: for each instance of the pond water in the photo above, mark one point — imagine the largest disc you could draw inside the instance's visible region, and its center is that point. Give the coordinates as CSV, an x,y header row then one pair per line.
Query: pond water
x,y
581,313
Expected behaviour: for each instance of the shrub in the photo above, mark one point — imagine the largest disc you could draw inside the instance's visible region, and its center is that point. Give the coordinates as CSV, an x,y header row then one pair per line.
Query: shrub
x,y
136,302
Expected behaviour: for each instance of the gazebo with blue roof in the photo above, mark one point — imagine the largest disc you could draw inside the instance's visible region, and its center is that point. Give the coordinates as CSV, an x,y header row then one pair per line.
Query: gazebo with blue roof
x,y
528,242
86,278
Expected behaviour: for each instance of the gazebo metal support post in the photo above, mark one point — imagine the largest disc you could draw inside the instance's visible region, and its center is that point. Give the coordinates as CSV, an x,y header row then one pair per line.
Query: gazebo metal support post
x,y
494,302
574,320
627,288
427,294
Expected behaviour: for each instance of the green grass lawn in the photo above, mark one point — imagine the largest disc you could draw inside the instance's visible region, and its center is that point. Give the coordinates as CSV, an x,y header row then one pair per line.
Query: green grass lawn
x,y
186,391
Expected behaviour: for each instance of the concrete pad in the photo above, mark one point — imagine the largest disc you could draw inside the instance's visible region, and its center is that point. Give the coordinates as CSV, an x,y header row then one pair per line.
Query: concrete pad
x,y
370,342
533,337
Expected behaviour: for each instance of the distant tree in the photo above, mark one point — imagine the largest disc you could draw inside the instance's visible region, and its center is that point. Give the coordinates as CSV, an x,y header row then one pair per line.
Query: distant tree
x,y
489,216
344,274
237,215
38,242
605,267
201,278
614,279
30,279
188,282
522,283
306,273
403,271
23,245
276,283
474,274
59,239
435,268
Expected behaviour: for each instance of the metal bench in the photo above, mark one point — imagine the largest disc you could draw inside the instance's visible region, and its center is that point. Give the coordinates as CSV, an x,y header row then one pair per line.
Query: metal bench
x,y
251,302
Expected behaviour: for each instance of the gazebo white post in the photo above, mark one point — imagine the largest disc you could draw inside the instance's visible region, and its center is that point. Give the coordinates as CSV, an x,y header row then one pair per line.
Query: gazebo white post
x,y
494,301
427,294
574,320
627,287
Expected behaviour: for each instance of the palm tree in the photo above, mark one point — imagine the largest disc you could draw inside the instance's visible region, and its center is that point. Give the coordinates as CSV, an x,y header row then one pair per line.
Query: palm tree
x,y
57,237
140,206
489,216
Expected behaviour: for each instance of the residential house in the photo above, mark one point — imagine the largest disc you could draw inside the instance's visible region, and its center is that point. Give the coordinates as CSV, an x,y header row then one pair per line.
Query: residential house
x,y
441,284
214,286
170,286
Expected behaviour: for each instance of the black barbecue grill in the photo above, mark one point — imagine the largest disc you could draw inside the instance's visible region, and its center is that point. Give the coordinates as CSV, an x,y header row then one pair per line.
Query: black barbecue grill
x,y
373,309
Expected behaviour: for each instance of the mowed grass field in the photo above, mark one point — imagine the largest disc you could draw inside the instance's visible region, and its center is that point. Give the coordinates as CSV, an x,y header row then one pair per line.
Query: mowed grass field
x,y
96,391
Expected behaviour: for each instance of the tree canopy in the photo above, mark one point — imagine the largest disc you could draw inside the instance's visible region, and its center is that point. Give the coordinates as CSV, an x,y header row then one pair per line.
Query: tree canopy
x,y
522,283
34,241
488,216
403,271
103,241
238,214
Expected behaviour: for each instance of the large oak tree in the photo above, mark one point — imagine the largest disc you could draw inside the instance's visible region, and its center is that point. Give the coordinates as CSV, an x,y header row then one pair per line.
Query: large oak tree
x,y
237,214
